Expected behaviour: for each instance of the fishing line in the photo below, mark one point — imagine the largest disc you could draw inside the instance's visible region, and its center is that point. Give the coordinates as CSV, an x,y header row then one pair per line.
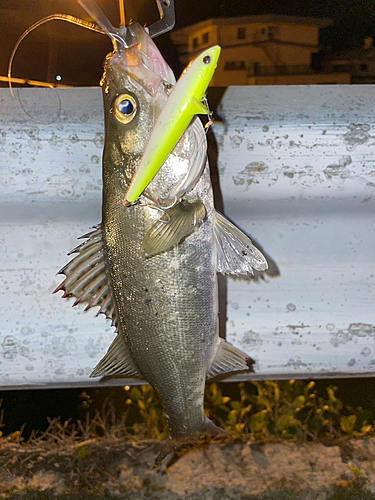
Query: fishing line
x,y
52,17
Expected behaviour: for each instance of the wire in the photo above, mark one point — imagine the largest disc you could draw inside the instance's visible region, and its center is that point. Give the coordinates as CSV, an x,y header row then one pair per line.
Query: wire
x,y
53,17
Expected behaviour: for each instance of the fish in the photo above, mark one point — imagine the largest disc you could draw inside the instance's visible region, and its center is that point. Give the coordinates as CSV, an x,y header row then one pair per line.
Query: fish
x,y
185,101
151,267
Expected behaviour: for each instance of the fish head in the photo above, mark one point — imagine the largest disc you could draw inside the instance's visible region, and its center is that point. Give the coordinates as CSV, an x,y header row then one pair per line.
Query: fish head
x,y
135,87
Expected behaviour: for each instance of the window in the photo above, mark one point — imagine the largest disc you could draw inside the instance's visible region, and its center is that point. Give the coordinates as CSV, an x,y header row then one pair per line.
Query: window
x,y
271,33
241,34
195,43
234,66
256,68
205,38
363,68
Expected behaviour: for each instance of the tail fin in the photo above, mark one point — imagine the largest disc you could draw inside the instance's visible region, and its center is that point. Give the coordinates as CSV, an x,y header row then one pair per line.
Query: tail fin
x,y
211,428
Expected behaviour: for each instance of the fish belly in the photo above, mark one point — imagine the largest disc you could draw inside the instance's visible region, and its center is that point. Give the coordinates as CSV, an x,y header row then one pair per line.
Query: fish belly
x,y
167,309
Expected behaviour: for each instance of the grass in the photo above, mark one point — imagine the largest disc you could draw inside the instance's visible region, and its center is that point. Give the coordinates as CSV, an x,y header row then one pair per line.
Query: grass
x,y
259,411
86,454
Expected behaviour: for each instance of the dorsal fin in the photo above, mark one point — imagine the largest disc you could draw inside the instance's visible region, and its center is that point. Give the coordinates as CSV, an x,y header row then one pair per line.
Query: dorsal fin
x,y
87,276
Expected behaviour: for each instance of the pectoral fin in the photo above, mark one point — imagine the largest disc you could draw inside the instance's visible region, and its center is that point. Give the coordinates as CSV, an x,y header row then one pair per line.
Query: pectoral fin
x,y
234,251
229,359
175,225
117,361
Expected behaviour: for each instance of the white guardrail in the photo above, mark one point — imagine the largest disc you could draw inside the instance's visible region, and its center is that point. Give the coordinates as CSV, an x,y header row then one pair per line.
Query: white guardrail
x,y
297,173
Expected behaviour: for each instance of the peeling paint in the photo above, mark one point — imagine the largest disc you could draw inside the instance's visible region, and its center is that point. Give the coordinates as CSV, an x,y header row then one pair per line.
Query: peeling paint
x,y
251,341
332,171
250,174
235,141
357,135
362,329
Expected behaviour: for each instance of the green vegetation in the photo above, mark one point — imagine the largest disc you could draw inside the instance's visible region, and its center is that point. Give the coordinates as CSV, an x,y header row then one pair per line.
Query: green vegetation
x,y
110,449
259,411
287,409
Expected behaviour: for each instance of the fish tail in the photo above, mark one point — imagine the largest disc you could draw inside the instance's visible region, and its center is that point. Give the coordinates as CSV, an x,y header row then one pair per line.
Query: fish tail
x,y
212,429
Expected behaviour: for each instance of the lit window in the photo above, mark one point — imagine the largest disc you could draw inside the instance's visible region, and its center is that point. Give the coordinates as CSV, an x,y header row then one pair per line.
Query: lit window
x,y
205,38
195,43
241,33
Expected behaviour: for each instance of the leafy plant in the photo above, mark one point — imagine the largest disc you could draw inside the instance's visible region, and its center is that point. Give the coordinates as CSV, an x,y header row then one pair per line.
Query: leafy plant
x,y
287,409
256,410
151,421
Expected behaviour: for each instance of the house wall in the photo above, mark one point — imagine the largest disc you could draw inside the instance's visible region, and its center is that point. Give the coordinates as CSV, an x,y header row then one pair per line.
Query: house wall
x,y
310,79
258,51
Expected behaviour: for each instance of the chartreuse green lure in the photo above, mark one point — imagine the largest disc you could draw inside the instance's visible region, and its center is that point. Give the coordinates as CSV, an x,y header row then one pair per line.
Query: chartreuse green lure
x,y
185,101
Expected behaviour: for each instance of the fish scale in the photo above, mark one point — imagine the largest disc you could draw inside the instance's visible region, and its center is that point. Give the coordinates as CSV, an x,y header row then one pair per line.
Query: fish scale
x,y
151,267
169,337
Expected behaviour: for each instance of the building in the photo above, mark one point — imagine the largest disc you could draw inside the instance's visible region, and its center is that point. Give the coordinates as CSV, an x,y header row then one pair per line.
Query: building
x,y
359,63
259,50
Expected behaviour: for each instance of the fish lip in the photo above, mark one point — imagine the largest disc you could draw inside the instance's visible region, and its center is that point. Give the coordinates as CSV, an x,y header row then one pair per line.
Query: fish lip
x,y
145,56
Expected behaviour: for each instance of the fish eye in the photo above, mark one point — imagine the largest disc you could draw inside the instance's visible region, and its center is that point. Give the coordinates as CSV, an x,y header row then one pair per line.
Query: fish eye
x,y
124,108
206,59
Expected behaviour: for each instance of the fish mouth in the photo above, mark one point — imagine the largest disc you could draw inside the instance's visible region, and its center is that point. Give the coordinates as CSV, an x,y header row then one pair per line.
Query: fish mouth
x,y
142,63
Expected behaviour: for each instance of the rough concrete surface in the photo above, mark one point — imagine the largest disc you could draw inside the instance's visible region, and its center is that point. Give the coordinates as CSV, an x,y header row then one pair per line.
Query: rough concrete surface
x,y
113,469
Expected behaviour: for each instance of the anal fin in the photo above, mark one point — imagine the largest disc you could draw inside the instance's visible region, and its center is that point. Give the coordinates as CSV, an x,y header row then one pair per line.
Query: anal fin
x,y
234,251
117,361
229,359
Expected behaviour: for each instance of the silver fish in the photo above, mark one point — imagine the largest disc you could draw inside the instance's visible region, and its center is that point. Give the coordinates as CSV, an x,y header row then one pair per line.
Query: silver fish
x,y
152,267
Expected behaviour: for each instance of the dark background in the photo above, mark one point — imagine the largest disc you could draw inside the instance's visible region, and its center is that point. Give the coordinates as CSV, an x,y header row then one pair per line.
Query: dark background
x,y
32,407
76,54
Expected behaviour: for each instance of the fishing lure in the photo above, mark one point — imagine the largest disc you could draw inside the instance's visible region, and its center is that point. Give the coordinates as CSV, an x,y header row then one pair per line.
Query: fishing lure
x,y
185,101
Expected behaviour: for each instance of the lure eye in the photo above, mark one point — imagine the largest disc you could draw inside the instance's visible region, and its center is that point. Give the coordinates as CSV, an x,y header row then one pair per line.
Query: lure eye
x,y
124,108
206,59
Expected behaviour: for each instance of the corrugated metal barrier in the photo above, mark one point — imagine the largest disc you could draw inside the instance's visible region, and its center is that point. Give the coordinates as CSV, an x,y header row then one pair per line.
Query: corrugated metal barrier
x,y
297,173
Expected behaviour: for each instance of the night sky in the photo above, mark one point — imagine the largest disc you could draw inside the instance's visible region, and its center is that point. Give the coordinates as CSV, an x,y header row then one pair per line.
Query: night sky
x,y
77,54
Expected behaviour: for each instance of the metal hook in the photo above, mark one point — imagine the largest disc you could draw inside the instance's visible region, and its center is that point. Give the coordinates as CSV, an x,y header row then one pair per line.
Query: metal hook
x,y
167,18
122,37
125,37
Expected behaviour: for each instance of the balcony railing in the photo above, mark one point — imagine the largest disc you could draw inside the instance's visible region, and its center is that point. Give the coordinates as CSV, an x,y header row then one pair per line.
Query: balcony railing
x,y
299,69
